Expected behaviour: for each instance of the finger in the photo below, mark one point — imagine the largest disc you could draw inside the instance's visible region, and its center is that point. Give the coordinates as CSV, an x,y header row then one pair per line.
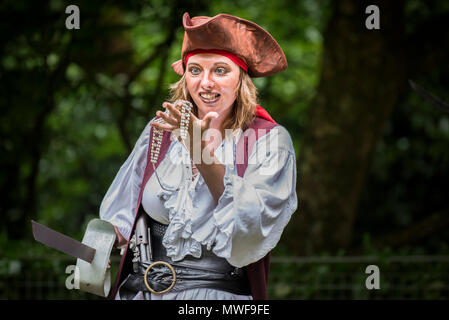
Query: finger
x,y
163,126
173,110
178,105
193,117
168,119
208,118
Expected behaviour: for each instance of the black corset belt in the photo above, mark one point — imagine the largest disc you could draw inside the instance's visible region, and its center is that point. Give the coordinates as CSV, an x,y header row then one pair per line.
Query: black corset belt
x,y
208,271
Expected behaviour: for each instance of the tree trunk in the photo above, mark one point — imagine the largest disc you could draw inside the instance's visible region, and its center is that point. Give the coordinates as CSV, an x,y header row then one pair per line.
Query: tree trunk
x,y
362,77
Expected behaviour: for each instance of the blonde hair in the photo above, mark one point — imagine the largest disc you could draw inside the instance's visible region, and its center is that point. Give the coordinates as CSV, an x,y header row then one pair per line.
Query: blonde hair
x,y
243,110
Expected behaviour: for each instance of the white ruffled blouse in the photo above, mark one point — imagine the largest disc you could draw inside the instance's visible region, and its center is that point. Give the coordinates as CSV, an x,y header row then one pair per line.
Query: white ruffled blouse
x,y
250,215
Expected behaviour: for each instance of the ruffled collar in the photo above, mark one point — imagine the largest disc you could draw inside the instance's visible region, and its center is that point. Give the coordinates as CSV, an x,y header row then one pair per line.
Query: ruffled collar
x,y
178,201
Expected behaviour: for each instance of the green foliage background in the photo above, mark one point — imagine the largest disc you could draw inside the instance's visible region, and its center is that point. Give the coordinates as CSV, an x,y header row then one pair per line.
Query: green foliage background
x,y
82,147
73,102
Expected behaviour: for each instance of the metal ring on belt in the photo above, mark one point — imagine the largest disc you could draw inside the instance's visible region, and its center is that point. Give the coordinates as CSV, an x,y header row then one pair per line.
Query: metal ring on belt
x,y
146,276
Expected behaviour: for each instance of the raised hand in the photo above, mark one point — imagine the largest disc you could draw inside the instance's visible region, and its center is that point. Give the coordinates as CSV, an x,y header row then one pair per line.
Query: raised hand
x,y
173,120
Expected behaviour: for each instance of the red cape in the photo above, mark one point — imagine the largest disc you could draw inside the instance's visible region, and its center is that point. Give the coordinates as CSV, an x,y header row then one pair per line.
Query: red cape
x,y
261,112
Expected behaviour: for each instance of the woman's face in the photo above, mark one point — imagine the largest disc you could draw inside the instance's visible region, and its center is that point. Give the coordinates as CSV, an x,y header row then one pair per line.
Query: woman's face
x,y
212,81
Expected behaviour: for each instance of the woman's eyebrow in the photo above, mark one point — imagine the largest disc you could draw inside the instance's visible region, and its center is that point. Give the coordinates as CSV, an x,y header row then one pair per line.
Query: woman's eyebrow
x,y
216,63
221,62
193,63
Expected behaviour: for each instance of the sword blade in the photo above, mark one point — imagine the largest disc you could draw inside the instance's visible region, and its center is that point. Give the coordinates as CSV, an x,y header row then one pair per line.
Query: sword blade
x,y
61,242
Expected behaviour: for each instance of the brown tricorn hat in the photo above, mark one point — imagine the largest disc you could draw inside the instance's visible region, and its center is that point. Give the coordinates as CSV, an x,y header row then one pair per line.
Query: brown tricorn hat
x,y
244,38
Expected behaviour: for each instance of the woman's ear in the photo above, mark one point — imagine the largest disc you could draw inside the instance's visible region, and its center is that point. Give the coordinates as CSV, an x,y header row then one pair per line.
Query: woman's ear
x,y
178,67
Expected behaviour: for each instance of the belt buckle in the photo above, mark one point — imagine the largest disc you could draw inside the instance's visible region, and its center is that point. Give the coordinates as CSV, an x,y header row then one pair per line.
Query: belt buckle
x,y
169,266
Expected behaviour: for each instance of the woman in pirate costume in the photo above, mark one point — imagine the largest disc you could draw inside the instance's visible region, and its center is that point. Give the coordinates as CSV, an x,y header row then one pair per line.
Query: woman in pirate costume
x,y
213,177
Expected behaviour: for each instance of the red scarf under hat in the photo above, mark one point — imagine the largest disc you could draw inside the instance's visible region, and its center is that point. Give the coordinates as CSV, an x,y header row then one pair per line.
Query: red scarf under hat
x,y
238,61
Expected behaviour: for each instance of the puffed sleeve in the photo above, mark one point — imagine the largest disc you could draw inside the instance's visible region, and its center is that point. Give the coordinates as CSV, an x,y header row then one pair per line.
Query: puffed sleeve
x,y
119,204
253,211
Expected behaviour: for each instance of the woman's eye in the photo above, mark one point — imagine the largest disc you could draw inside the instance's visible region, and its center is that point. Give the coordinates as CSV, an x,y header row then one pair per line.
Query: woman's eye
x,y
194,70
221,70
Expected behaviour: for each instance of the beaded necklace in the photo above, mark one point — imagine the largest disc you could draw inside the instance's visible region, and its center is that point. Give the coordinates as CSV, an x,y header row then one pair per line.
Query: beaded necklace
x,y
157,140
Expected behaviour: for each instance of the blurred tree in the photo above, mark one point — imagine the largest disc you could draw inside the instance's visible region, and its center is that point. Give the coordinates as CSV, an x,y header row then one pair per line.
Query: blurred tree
x,y
363,77
44,69
37,54
74,102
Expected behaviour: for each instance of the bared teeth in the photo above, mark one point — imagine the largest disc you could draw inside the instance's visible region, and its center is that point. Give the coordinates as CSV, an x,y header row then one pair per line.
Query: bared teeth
x,y
209,96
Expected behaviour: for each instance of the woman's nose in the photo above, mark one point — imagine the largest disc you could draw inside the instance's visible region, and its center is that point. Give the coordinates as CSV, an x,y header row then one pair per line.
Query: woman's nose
x,y
207,81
